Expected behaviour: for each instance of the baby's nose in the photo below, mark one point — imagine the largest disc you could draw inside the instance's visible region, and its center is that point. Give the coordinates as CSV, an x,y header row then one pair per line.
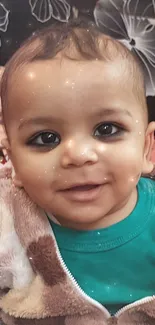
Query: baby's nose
x,y
77,152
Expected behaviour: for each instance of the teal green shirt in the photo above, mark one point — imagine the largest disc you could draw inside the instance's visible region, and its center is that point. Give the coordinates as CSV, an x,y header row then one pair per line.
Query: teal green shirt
x,y
115,265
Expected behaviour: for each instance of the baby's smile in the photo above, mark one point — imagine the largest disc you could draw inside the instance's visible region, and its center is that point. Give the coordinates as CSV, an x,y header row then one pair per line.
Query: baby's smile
x,y
83,192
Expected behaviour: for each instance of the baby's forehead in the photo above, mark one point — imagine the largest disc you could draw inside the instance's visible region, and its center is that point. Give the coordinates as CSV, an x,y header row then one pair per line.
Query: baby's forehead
x,y
62,80
46,72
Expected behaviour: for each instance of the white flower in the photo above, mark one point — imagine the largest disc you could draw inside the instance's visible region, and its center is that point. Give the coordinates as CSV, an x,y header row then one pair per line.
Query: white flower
x,y
43,10
133,23
4,18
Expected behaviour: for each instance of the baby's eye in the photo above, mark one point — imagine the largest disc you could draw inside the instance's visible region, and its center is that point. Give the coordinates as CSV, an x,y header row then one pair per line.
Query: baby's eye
x,y
106,130
45,139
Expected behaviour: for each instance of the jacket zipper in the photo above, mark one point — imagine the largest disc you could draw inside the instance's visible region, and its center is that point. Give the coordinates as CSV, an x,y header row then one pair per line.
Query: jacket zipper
x,y
91,300
135,304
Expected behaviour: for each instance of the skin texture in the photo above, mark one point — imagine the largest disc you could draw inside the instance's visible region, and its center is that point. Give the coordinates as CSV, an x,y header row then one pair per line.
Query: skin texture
x,y
71,99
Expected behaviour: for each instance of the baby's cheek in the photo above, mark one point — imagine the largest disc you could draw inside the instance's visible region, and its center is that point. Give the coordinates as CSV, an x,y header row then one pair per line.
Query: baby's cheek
x,y
39,176
131,167
127,164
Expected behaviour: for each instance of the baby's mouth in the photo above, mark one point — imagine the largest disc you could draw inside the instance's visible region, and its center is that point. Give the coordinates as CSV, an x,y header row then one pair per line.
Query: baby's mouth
x,y
82,192
86,187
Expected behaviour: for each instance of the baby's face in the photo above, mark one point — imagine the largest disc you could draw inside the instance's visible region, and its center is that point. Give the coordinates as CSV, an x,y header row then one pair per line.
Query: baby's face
x,y
71,124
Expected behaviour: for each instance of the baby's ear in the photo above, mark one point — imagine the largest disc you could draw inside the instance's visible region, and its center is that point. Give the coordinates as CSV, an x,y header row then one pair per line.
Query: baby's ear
x,y
148,163
153,154
16,180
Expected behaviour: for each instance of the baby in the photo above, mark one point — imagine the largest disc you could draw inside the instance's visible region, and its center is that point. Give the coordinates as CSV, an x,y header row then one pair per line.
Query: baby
x,y
77,219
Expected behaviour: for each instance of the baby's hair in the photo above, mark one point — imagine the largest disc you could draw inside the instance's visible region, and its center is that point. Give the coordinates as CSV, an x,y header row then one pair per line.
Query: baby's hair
x,y
75,40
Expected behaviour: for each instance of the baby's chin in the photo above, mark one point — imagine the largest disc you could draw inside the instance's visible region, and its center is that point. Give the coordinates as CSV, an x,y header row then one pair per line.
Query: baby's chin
x,y
83,222
79,221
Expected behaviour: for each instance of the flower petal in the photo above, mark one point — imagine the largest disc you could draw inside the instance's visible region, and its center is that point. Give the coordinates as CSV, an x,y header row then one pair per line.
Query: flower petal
x,y
109,19
109,5
43,10
142,41
149,72
139,8
4,18
60,10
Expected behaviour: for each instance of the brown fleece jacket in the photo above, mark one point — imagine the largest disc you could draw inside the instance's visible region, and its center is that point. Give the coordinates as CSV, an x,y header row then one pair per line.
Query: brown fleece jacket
x,y
35,286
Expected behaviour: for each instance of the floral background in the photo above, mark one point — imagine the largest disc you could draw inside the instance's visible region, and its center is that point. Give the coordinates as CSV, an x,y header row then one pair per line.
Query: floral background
x,y
130,21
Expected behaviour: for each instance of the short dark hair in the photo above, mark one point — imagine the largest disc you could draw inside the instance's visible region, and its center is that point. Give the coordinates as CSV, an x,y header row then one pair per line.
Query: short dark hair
x,y
74,40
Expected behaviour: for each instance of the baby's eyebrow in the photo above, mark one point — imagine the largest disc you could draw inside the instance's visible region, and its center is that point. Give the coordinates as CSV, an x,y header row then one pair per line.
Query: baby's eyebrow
x,y
39,120
110,112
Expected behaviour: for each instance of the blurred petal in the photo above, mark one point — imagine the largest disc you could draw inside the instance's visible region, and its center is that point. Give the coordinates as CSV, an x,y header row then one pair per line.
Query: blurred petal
x,y
4,18
152,21
142,42
60,10
139,8
109,19
133,23
43,10
109,5
149,72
